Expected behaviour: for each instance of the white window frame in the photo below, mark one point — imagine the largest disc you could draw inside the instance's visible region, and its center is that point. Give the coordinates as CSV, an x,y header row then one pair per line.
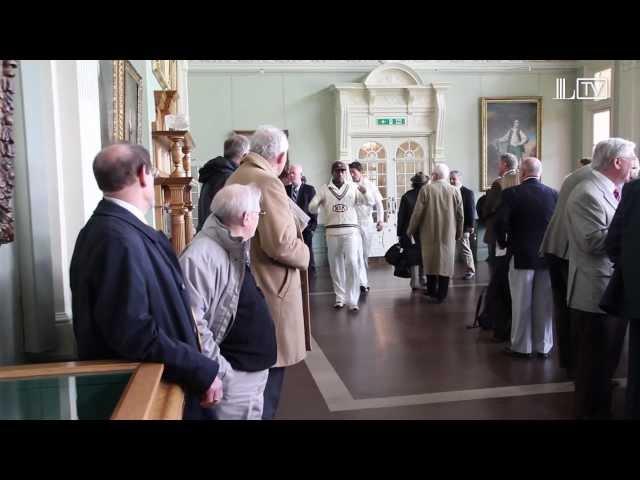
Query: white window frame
x,y
590,107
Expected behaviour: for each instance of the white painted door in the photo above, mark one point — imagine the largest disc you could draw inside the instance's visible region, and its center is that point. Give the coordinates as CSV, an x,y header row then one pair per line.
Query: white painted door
x,y
390,163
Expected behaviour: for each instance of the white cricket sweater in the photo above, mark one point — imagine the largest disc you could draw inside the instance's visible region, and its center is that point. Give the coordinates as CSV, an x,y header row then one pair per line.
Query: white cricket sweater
x,y
339,206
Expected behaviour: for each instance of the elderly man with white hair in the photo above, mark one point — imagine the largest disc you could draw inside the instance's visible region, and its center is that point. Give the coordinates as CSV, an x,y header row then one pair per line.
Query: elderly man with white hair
x,y
438,217
278,253
598,337
522,220
233,320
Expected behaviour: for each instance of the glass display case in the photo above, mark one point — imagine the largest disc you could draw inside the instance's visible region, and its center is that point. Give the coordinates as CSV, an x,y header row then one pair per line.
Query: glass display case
x,y
88,391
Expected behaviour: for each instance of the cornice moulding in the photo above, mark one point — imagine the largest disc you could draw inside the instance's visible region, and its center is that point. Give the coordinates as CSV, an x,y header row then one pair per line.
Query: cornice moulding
x,y
271,66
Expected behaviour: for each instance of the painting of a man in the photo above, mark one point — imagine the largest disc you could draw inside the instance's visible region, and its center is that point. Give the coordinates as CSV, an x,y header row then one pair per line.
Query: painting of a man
x,y
509,125
513,141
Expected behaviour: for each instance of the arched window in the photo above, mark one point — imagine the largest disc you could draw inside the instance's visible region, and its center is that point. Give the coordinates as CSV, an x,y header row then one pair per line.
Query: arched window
x,y
373,157
409,161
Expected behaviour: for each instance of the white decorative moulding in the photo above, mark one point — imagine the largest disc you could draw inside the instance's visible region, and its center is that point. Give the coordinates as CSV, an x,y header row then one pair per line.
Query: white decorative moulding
x,y
391,90
263,66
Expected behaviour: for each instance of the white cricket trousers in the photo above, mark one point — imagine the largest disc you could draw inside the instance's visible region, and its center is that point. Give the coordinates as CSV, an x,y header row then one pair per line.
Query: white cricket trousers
x,y
531,307
344,252
367,231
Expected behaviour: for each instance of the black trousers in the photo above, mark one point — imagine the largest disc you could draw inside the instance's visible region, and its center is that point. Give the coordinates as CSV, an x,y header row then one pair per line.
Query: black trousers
x,y
307,236
499,298
632,406
598,345
272,392
437,286
491,247
559,272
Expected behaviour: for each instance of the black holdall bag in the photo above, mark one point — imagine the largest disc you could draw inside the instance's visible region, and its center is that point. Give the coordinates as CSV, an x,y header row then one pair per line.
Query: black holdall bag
x,y
398,258
393,254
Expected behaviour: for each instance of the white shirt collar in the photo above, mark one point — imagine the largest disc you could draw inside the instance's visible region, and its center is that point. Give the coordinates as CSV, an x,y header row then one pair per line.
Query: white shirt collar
x,y
509,172
129,207
610,185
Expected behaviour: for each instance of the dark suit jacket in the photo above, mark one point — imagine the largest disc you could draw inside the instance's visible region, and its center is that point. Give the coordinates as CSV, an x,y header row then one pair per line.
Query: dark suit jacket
x,y
492,202
129,302
407,204
522,219
213,175
623,239
305,195
468,206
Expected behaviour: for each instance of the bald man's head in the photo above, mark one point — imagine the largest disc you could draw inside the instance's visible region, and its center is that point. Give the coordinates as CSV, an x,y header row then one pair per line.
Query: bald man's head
x,y
117,166
530,167
295,174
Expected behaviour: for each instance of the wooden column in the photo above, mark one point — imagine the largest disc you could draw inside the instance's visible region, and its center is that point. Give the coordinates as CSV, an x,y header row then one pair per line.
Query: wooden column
x,y
174,192
188,214
177,139
186,159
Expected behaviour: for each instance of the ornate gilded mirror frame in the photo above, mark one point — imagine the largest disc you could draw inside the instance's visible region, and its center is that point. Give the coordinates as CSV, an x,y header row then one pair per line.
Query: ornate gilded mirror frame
x,y
166,71
7,149
123,71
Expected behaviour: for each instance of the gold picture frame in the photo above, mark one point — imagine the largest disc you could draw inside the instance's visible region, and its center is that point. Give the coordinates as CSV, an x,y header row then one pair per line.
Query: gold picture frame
x,y
166,72
508,124
127,103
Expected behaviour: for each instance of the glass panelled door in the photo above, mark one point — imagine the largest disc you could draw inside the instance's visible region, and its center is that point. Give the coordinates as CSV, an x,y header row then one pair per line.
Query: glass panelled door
x,y
390,163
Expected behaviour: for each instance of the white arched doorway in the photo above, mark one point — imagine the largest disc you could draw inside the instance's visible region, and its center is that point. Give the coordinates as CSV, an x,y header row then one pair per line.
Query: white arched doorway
x,y
393,124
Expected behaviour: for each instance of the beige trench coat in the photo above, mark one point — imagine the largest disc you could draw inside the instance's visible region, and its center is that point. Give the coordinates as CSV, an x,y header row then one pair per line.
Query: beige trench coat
x,y
438,217
278,253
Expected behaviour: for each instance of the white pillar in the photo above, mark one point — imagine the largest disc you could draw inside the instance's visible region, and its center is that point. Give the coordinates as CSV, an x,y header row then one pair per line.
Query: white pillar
x,y
62,135
439,149
35,175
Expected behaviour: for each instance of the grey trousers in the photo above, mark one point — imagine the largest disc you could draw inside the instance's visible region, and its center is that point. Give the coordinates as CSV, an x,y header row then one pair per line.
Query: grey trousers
x,y
242,395
464,248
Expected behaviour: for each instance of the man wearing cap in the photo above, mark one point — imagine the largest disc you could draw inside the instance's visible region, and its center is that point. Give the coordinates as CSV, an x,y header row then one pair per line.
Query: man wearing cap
x,y
407,204
344,244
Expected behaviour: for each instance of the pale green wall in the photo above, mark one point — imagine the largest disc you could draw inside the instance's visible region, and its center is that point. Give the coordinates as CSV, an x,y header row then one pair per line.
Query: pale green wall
x,y
304,104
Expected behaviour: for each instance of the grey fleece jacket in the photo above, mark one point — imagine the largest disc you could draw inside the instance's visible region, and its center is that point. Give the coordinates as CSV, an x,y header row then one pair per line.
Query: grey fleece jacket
x,y
213,266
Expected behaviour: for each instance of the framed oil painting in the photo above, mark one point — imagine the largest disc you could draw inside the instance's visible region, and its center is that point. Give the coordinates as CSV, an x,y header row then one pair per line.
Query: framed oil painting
x,y
127,100
509,125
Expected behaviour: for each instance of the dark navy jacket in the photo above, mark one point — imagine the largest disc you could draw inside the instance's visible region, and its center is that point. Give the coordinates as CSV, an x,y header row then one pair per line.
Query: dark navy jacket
x,y
129,302
305,195
469,207
522,219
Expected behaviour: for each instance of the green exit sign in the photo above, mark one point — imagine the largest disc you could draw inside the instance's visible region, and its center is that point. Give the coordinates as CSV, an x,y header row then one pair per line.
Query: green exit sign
x,y
391,121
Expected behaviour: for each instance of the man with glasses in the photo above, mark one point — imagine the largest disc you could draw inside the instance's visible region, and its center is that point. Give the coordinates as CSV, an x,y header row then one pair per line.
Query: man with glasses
x,y
302,194
598,338
344,243
233,319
